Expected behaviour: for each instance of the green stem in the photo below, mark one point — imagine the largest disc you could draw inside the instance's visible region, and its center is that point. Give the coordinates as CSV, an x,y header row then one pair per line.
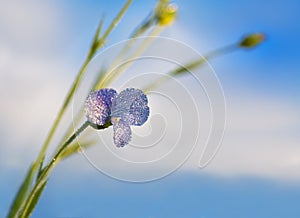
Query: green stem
x,y
114,23
48,168
140,30
191,65
40,159
96,45
114,74
62,111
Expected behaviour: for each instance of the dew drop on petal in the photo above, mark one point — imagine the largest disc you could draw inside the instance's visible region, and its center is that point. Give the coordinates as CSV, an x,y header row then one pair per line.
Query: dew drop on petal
x,y
131,105
122,132
98,105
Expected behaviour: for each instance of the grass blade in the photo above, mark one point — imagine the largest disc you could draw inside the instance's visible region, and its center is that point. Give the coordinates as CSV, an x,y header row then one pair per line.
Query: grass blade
x,y
35,200
79,76
23,191
75,148
114,23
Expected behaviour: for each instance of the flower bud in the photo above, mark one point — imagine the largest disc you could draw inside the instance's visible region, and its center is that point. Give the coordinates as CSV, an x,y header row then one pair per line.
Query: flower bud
x,y
165,13
252,40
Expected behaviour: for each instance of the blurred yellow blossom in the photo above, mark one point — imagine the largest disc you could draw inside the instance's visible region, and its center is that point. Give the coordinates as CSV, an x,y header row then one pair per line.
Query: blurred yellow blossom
x,y
165,12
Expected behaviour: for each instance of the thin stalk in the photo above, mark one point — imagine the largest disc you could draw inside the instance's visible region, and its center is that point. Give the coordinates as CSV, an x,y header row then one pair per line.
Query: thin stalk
x,y
96,45
48,168
139,31
62,111
191,65
143,28
71,126
113,75
96,85
114,23
91,53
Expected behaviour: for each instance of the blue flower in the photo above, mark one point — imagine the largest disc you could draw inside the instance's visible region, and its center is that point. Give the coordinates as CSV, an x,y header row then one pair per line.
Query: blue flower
x,y
122,132
98,105
130,107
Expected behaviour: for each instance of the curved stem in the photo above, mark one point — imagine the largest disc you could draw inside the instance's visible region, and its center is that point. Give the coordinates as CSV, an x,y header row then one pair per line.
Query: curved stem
x,y
49,167
62,111
114,23
96,45
191,65
113,74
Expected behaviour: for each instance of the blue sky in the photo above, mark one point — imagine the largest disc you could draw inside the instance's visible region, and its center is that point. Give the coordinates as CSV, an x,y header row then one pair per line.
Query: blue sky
x,y
255,173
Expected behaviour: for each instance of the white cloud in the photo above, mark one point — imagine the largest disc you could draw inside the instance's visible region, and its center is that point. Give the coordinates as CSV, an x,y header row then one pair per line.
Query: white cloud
x,y
31,93
30,25
260,140
32,83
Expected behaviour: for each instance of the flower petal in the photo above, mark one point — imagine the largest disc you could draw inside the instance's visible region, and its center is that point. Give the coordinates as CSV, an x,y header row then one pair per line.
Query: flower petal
x,y
122,132
98,106
131,105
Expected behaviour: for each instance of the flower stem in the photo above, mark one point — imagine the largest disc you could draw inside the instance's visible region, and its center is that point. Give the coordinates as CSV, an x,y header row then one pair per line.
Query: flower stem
x,y
45,172
114,23
62,111
116,71
96,45
191,65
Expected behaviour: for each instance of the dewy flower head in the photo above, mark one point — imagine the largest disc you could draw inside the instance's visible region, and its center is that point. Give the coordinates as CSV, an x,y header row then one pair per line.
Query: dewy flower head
x,y
130,107
98,104
122,133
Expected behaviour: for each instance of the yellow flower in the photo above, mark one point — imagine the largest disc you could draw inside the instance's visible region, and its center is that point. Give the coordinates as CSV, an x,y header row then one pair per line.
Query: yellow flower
x,y
165,12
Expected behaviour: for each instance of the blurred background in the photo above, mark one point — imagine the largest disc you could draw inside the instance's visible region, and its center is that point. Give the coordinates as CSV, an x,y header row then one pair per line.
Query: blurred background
x,y
256,173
